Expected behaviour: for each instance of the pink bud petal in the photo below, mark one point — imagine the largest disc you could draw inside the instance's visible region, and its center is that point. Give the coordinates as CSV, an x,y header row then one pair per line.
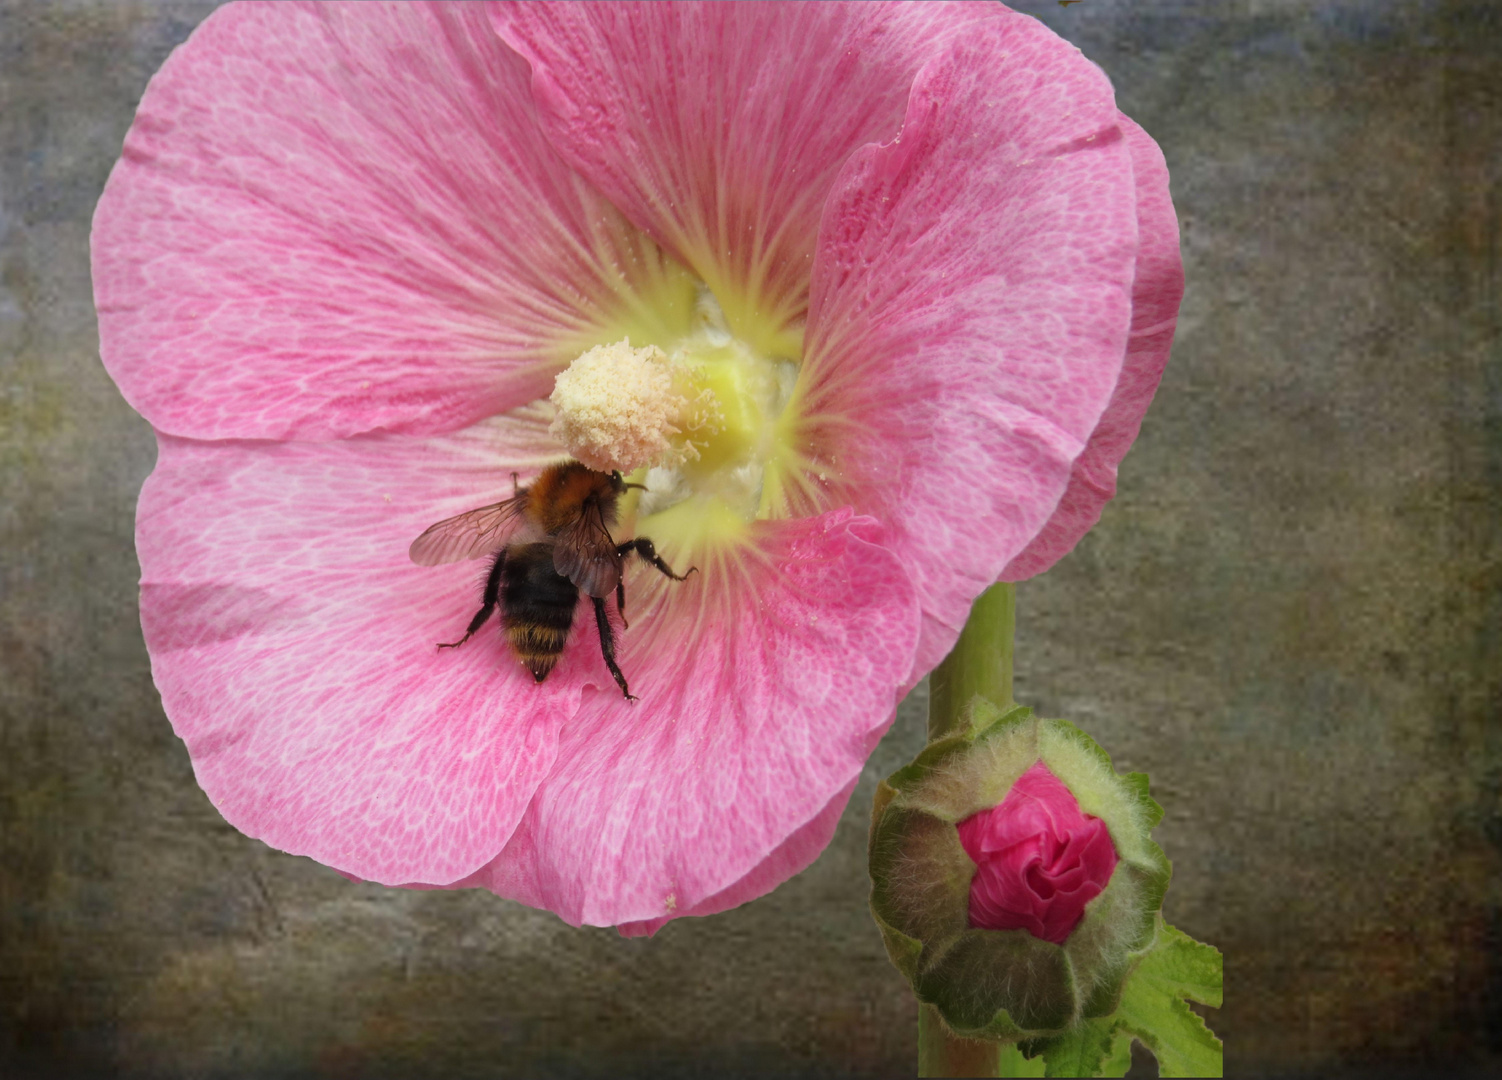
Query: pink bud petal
x,y
1039,859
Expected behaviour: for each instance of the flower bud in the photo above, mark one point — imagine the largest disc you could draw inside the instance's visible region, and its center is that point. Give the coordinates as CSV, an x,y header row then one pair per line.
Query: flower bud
x,y
1038,859
1014,880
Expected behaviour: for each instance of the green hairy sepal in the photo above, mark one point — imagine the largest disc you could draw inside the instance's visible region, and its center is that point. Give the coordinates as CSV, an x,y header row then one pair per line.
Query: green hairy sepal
x,y
1122,972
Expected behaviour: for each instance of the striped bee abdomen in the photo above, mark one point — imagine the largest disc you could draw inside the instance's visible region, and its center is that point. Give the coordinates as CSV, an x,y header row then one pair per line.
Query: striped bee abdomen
x,y
537,606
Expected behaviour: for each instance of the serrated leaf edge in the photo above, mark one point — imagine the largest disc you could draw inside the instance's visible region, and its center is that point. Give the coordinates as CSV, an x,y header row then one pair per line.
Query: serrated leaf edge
x,y
1178,1003
1115,1024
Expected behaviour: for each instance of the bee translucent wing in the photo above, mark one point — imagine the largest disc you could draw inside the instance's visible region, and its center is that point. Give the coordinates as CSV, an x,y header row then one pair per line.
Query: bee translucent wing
x,y
584,553
468,535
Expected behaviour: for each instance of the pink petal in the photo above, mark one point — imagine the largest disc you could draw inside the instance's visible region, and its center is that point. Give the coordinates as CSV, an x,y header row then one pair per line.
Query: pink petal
x,y
792,856
971,300
764,683
1039,859
294,646
331,219
1156,292
718,128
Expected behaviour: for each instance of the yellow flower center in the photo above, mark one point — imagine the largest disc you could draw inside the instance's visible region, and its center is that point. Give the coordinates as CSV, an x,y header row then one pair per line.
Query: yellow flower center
x,y
700,419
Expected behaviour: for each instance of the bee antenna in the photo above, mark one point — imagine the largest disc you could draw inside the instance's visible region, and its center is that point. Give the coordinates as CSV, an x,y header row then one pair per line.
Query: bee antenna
x,y
638,487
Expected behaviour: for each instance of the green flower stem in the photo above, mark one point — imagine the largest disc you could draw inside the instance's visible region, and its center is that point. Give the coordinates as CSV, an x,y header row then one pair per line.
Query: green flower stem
x,y
981,663
941,1053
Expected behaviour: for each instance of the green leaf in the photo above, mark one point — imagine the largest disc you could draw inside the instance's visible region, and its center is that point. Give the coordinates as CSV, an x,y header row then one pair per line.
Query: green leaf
x,y
920,877
986,972
1010,1062
1080,1050
1119,1060
1153,813
1076,734
986,720
1154,1009
929,758
1183,966
902,950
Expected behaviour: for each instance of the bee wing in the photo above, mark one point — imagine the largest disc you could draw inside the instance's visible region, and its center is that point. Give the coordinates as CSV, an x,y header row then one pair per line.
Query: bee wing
x,y
468,535
584,553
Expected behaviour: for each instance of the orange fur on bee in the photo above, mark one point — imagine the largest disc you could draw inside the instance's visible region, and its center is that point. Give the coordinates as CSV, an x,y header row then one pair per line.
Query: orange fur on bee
x,y
557,497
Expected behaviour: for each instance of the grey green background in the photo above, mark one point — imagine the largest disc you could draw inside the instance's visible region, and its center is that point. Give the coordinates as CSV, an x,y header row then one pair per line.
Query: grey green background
x,y
1289,617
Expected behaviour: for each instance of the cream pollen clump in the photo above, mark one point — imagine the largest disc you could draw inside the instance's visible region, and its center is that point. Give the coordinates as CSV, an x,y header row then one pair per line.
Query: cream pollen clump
x,y
617,407
621,409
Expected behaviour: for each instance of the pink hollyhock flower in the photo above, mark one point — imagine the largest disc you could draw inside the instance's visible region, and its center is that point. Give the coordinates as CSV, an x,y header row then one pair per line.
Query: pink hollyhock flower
x,y
1038,859
923,272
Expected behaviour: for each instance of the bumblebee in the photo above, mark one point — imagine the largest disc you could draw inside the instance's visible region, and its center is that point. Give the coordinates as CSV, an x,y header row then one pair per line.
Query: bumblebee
x,y
548,542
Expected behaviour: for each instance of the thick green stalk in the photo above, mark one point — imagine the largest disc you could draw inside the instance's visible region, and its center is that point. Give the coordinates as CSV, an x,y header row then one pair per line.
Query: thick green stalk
x,y
981,663
942,1053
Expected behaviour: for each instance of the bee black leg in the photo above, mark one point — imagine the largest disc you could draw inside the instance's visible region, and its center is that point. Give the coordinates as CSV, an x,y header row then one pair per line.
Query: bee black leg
x,y
492,595
644,547
620,602
607,645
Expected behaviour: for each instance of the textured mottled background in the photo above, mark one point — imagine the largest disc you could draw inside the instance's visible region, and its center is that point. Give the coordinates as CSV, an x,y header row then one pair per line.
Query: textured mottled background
x,y
1289,617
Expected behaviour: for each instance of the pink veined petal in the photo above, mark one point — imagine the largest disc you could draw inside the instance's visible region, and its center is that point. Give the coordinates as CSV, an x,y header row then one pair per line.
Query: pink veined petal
x,y
1030,816
718,128
1000,900
1096,852
792,856
515,873
764,682
971,301
1156,292
332,219
294,646
1039,858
